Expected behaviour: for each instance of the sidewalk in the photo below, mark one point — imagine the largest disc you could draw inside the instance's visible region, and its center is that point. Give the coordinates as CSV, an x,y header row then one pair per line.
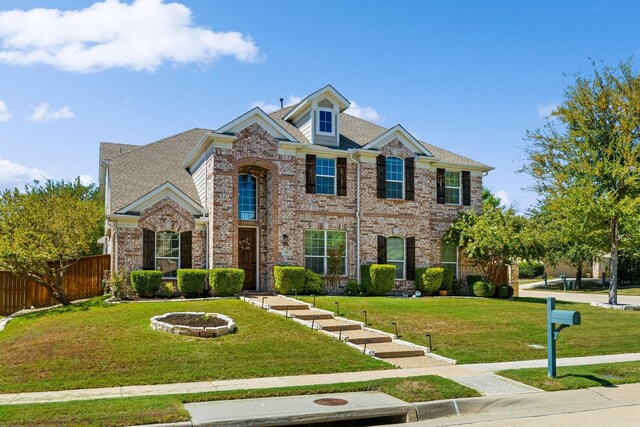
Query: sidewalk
x,y
478,376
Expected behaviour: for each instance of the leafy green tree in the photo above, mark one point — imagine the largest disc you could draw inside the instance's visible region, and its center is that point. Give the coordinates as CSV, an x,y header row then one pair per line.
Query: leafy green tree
x,y
590,145
46,228
495,237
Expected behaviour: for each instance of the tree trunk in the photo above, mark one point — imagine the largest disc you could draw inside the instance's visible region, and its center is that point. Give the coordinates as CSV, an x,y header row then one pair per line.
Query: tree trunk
x,y
578,277
613,287
57,291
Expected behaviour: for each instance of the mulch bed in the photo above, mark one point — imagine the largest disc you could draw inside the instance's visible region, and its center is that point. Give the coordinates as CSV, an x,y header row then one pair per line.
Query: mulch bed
x,y
196,321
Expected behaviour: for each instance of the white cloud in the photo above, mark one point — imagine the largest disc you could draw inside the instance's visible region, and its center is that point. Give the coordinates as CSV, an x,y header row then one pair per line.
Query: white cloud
x,y
365,113
269,108
504,197
5,114
43,114
545,110
114,34
17,175
87,179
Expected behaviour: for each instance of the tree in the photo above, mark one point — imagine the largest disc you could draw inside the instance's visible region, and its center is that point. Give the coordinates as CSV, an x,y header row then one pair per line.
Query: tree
x,y
494,237
46,228
590,145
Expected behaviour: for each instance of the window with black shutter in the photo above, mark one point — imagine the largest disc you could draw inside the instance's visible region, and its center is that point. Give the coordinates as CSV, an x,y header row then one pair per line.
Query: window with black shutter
x,y
311,174
440,186
148,249
185,249
382,250
341,164
409,173
466,188
381,176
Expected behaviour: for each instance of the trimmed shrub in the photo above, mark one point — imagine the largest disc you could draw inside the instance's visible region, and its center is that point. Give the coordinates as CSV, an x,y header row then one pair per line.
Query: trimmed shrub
x,y
419,281
146,282
502,291
226,282
431,279
484,289
472,278
447,280
167,289
353,288
365,277
530,270
191,281
382,278
287,278
510,291
313,283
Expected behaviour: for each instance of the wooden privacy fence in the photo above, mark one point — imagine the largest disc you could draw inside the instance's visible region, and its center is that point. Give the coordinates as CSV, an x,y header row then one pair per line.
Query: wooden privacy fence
x,y
82,280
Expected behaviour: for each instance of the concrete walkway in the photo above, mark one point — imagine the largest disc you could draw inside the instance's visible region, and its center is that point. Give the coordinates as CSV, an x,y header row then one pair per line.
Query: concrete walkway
x,y
525,291
479,376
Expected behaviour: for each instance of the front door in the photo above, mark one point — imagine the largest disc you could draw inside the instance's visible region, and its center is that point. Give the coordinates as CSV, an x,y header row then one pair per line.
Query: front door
x,y
247,257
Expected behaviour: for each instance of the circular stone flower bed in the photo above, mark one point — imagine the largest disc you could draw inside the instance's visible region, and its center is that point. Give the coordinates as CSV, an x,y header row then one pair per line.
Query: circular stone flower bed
x,y
195,324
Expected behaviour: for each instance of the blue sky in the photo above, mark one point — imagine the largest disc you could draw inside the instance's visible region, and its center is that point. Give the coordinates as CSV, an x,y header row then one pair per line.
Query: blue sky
x,y
469,76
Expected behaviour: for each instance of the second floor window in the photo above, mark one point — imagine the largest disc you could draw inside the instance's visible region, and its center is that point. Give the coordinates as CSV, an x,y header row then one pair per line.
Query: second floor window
x,y
325,176
452,187
325,121
394,178
247,197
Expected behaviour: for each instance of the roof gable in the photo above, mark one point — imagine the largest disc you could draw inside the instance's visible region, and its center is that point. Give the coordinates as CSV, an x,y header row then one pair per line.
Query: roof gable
x,y
401,134
166,190
256,115
326,92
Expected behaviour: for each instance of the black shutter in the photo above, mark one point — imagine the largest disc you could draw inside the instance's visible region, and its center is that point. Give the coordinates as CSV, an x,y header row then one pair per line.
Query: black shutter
x,y
311,174
148,249
411,258
409,172
381,175
382,250
341,164
440,186
466,188
185,249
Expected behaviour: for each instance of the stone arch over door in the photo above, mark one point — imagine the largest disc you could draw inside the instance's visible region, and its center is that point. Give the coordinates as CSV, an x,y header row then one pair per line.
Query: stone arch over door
x,y
266,223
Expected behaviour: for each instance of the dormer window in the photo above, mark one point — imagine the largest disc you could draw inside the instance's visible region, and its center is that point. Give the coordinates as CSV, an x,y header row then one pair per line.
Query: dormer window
x,y
325,121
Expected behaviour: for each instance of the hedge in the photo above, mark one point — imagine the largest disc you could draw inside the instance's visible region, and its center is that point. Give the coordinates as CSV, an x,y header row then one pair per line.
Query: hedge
x,y
447,280
530,270
191,281
287,278
428,280
382,278
484,289
146,282
226,282
313,283
502,291
365,279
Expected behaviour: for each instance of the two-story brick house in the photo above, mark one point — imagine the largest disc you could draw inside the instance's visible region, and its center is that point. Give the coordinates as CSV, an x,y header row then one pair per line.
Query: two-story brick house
x,y
286,188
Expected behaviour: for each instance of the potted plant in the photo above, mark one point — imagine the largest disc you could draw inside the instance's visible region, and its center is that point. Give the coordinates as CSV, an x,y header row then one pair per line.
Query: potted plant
x,y
447,282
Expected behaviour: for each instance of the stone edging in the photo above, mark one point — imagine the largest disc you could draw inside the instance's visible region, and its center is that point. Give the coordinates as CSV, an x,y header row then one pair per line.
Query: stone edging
x,y
626,307
157,324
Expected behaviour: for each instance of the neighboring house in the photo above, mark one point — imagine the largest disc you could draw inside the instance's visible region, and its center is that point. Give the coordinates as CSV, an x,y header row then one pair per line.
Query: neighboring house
x,y
285,188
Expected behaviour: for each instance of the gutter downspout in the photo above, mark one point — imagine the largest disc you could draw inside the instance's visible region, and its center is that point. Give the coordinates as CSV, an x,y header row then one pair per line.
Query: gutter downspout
x,y
357,215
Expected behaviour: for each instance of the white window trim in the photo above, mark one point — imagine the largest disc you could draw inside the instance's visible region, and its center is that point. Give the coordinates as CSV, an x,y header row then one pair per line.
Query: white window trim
x,y
394,180
459,187
404,255
256,199
155,252
327,176
449,262
333,122
325,256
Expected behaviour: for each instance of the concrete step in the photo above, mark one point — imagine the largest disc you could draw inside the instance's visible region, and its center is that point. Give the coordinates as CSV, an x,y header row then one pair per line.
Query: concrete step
x,y
290,307
390,350
311,314
333,325
361,336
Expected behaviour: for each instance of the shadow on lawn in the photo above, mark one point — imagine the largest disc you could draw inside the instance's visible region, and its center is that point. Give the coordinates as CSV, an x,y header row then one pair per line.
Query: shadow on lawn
x,y
601,381
97,302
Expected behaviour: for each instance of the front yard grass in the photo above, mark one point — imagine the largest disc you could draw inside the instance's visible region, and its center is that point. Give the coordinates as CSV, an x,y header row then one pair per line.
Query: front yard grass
x,y
474,330
575,377
165,409
93,344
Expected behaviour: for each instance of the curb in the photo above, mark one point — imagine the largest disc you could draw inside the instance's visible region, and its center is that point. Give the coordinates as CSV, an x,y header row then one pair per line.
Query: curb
x,y
457,407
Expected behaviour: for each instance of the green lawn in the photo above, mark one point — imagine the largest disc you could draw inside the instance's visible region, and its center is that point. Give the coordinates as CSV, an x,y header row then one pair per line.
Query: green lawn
x,y
491,330
98,345
574,377
165,409
590,287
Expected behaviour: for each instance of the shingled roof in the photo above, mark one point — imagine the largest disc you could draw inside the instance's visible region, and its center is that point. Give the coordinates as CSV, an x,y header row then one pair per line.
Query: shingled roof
x,y
141,169
355,133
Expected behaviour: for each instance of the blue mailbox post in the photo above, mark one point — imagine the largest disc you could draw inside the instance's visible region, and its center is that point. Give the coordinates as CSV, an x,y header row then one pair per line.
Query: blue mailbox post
x,y
564,318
